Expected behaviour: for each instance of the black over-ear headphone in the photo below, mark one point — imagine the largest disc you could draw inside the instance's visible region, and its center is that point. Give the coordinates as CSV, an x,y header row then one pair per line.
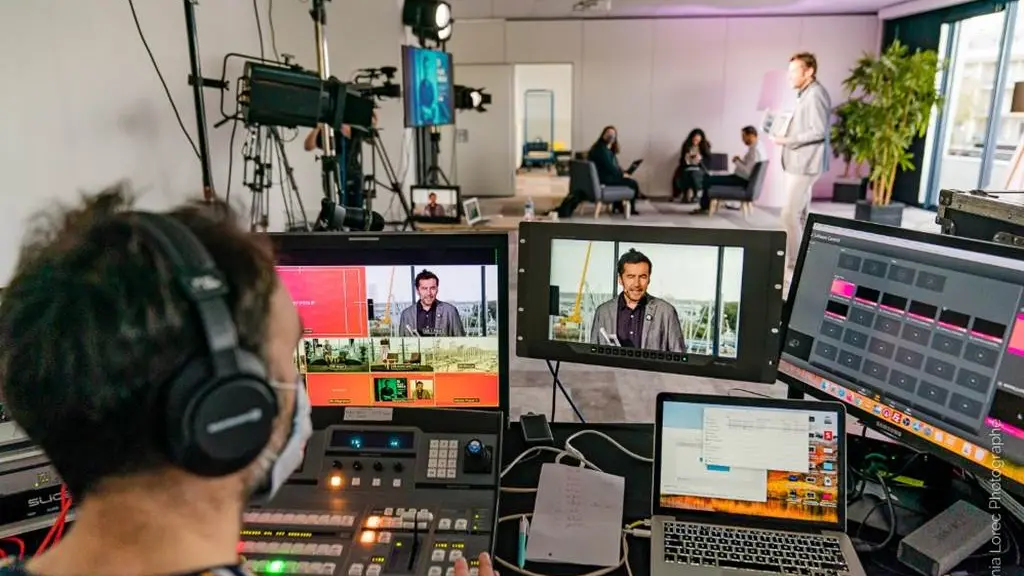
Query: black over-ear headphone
x,y
219,409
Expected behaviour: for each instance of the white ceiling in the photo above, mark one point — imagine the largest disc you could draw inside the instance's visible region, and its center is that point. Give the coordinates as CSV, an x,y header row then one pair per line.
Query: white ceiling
x,y
513,9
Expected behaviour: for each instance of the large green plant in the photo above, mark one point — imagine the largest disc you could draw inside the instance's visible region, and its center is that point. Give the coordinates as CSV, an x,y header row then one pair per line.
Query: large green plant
x,y
891,98
842,146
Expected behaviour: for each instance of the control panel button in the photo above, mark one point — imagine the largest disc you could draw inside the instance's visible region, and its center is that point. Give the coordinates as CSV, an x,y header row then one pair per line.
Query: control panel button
x,y
474,571
398,467
437,555
396,483
356,482
444,524
355,570
329,568
455,555
373,570
335,550
450,571
431,473
375,482
461,524
434,570
385,538
377,466
357,466
335,520
389,511
348,521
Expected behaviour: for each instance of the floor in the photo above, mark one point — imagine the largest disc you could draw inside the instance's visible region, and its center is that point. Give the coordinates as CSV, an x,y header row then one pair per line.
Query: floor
x,y
615,395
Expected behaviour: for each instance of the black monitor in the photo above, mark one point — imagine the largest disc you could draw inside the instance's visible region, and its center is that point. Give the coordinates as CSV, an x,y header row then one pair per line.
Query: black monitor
x,y
680,300
920,335
400,319
428,90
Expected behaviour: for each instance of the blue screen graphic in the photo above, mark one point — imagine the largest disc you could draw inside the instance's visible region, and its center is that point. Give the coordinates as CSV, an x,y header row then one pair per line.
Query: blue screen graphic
x,y
428,90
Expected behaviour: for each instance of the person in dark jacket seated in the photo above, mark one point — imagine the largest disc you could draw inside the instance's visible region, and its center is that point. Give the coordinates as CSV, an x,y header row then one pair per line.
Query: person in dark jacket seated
x,y
693,158
605,156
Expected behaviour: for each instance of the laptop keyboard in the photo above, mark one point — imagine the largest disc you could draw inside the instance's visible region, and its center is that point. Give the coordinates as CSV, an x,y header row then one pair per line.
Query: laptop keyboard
x,y
762,550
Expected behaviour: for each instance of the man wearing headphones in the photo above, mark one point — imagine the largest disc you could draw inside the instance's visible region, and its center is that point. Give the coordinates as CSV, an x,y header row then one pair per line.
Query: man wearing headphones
x,y
151,357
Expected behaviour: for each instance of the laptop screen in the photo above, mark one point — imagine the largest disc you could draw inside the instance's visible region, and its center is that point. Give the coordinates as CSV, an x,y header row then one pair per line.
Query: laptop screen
x,y
777,463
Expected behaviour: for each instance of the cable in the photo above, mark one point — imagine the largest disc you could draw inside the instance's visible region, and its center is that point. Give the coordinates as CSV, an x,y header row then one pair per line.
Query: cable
x,y
579,455
751,392
17,542
259,27
167,91
868,547
623,559
273,34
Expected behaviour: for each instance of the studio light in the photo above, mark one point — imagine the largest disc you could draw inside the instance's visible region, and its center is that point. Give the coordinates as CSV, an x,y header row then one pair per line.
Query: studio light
x,y
430,19
467,98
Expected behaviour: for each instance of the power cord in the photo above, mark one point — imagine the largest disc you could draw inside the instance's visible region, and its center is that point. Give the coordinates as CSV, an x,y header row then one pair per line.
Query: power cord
x,y
259,27
273,34
639,529
159,74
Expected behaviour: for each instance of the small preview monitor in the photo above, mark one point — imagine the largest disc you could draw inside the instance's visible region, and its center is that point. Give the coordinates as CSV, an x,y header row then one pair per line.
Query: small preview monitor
x,y
400,319
441,204
921,335
680,300
428,90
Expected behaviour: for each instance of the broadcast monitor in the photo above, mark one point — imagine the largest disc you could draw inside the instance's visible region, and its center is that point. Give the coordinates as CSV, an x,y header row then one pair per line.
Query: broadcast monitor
x,y
400,319
428,90
682,300
921,335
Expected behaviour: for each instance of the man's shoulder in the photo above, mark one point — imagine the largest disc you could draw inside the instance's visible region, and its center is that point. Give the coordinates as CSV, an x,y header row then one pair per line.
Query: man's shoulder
x,y
447,307
607,304
661,303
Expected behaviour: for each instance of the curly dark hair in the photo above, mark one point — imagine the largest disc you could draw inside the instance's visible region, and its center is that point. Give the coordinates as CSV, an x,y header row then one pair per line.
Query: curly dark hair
x,y
93,323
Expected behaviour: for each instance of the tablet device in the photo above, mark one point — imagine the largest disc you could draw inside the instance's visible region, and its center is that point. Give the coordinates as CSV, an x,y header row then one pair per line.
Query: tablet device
x,y
632,167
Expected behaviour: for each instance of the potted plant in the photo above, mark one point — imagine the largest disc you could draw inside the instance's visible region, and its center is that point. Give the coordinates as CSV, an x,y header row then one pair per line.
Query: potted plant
x,y
845,190
891,98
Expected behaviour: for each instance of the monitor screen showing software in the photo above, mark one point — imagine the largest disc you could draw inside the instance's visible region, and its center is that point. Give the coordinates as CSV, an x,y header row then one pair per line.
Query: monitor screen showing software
x,y
412,334
753,461
928,339
669,298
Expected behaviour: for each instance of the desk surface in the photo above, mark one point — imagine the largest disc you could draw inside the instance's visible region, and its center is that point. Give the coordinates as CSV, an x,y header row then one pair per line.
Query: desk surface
x,y
639,439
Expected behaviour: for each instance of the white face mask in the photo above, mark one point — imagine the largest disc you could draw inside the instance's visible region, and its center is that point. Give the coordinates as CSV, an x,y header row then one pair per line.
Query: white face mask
x,y
285,463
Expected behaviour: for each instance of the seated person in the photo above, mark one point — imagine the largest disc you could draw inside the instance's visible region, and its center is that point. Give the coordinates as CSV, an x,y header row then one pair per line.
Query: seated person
x,y
689,176
741,173
605,156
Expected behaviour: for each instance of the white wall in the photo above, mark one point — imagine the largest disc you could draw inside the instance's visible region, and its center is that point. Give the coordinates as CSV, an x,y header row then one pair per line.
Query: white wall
x,y
81,106
558,79
657,79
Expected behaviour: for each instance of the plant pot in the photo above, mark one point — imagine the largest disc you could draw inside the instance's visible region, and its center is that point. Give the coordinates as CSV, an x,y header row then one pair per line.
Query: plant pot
x,y
890,214
846,190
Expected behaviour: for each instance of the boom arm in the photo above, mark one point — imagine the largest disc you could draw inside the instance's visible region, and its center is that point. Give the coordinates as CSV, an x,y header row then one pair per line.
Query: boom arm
x,y
577,308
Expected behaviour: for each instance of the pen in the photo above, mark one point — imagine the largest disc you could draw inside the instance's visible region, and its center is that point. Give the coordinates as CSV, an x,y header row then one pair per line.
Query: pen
x,y
524,528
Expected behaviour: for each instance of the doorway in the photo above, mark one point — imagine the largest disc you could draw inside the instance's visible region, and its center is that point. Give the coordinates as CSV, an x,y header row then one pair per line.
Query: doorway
x,y
543,131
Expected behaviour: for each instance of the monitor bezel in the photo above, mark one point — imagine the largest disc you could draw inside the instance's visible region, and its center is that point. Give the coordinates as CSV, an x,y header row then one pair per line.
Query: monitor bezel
x,y
760,297
441,242
866,418
441,219
763,522
411,49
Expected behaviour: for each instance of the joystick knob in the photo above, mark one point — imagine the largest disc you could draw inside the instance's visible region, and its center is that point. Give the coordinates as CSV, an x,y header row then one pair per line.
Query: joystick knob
x,y
357,465
477,458
377,466
398,467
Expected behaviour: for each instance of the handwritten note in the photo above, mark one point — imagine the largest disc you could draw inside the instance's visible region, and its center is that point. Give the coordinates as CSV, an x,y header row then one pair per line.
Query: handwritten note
x,y
577,517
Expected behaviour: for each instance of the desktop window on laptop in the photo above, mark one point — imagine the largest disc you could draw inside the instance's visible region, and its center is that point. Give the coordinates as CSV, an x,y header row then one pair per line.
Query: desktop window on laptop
x,y
771,463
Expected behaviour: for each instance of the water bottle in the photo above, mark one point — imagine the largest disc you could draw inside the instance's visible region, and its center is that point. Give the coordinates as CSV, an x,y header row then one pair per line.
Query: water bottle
x,y
528,212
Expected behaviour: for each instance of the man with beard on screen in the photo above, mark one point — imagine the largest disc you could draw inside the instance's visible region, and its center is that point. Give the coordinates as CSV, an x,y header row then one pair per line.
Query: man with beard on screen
x,y
634,318
430,316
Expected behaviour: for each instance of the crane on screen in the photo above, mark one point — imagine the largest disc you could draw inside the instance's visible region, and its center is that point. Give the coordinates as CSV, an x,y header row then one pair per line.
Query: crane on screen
x,y
385,320
576,317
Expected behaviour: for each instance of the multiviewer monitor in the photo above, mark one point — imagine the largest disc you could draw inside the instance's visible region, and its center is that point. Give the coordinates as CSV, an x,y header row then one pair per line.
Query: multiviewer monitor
x,y
400,319
428,89
922,336
681,300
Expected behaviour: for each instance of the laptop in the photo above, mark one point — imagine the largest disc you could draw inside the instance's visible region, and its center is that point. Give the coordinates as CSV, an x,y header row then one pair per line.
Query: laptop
x,y
749,485
471,208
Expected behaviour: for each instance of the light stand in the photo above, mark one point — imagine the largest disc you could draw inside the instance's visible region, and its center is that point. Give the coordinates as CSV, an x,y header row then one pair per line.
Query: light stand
x,y
428,152
377,150
329,160
196,79
264,148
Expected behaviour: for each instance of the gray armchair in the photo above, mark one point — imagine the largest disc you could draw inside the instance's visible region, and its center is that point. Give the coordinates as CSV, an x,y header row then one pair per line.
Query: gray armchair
x,y
583,179
745,195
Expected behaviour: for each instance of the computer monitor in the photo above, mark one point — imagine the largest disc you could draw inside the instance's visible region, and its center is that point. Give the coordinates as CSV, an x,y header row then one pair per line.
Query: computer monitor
x,y
680,300
436,203
920,335
428,90
399,319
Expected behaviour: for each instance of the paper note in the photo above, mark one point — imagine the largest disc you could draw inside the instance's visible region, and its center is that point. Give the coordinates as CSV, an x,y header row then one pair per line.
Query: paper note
x,y
577,517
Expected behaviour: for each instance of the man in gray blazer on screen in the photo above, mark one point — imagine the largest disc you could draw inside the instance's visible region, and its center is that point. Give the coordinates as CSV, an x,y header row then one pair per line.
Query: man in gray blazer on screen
x,y
805,149
635,319
429,316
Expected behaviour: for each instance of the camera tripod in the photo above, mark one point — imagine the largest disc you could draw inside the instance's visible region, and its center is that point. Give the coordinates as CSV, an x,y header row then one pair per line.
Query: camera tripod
x,y
434,176
329,160
371,183
263,149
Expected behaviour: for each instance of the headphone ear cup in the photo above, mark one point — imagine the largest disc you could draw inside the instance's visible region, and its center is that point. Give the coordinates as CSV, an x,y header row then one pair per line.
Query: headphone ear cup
x,y
219,427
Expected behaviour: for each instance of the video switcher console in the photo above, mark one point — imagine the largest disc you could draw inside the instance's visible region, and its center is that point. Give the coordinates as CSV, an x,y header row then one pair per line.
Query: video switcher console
x,y
383,491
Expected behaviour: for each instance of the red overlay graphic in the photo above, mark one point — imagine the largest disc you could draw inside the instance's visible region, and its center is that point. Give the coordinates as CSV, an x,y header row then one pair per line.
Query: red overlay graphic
x,y
451,390
331,301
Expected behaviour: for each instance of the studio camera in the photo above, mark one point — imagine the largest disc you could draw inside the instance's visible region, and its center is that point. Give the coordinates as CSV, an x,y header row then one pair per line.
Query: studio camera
x,y
376,83
288,96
